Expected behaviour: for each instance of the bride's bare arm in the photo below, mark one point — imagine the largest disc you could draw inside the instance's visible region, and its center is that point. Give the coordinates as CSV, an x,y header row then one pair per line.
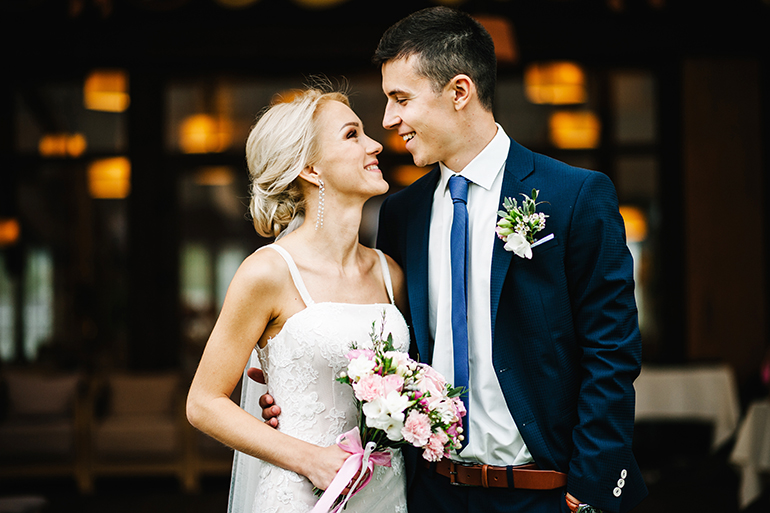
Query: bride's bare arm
x,y
255,303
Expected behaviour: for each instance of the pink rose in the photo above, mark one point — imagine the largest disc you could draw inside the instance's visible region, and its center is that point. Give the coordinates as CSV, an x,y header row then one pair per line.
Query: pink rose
x,y
438,380
416,429
432,383
369,388
392,382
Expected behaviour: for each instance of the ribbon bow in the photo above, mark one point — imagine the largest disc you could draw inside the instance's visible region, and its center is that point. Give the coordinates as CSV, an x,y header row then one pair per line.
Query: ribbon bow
x,y
360,457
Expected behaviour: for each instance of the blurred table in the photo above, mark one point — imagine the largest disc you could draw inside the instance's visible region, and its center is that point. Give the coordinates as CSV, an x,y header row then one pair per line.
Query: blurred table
x,y
751,452
690,392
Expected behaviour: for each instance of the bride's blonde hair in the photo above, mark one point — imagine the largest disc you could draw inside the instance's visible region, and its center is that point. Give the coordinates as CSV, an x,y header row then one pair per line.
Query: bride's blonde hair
x,y
282,143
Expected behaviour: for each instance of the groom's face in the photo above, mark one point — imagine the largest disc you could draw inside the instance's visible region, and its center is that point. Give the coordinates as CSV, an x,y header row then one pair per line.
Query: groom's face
x,y
421,116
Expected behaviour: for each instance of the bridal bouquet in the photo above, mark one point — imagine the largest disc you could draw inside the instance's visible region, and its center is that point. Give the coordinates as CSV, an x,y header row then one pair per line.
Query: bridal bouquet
x,y
400,402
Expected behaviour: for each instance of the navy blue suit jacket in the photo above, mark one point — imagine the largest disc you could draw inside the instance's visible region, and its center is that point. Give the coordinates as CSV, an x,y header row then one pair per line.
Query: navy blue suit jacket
x,y
565,338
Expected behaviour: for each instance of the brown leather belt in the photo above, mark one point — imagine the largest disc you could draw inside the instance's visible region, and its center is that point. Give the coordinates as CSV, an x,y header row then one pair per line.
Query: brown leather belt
x,y
526,477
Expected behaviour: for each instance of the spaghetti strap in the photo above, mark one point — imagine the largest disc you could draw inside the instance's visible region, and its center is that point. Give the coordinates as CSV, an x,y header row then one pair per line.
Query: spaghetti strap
x,y
386,275
295,276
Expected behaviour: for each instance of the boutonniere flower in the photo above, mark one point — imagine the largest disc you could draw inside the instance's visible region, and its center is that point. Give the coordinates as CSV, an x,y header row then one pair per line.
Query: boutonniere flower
x,y
519,224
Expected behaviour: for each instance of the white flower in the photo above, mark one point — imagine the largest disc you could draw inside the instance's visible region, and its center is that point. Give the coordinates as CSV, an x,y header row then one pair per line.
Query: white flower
x,y
447,411
387,413
517,243
360,367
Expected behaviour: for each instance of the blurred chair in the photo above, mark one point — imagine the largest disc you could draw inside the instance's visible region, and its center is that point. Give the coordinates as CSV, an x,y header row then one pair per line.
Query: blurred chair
x,y
43,429
700,393
23,504
751,453
686,417
142,429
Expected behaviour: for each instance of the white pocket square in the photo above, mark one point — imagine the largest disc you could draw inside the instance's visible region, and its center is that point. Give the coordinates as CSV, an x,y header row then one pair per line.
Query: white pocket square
x,y
545,239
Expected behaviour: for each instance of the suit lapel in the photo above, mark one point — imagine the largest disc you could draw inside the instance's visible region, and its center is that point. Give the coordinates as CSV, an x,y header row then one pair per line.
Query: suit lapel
x,y
518,165
418,236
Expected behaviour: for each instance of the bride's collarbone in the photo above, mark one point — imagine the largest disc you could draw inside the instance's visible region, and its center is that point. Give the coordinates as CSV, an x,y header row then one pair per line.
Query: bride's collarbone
x,y
365,291
357,284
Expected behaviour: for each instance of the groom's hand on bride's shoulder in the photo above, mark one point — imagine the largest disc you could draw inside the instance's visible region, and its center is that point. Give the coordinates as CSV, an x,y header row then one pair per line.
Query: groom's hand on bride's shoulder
x,y
270,411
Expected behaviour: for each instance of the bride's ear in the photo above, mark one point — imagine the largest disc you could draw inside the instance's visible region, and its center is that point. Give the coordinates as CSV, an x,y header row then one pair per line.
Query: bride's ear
x,y
310,175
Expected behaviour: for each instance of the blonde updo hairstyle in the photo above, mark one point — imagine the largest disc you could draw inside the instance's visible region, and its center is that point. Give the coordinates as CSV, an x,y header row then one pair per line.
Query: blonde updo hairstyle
x,y
282,143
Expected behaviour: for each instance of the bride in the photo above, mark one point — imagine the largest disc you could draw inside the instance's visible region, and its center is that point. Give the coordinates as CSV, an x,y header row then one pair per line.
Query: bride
x,y
299,304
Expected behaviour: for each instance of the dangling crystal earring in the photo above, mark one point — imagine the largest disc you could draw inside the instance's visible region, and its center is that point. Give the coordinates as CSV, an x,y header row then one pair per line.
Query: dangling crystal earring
x,y
319,220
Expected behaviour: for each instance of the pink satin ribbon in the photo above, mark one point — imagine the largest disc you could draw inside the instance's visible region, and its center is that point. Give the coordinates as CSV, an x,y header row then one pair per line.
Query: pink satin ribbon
x,y
360,457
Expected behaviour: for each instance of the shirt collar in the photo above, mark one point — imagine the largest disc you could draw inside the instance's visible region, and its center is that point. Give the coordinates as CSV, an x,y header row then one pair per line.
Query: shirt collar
x,y
485,166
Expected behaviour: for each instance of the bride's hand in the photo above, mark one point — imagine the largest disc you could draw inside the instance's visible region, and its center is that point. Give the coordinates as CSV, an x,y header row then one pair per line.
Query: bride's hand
x,y
325,466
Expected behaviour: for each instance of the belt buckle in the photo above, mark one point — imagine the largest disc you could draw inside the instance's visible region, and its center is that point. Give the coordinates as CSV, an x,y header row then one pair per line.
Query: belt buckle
x,y
453,472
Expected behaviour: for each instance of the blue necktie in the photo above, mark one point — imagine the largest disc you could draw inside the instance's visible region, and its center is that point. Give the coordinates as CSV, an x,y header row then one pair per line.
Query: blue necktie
x,y
458,189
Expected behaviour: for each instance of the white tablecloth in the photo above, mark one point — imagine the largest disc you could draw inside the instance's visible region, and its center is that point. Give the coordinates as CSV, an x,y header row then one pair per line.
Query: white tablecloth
x,y
752,451
690,392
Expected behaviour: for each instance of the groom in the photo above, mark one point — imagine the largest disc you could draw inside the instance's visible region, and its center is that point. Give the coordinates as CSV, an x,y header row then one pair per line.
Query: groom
x,y
550,343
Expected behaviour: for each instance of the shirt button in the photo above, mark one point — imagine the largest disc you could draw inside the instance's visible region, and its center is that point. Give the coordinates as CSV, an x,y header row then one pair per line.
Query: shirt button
x,y
616,492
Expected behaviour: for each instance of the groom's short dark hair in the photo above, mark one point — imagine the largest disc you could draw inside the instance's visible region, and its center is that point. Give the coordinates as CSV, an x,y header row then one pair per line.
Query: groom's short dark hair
x,y
448,43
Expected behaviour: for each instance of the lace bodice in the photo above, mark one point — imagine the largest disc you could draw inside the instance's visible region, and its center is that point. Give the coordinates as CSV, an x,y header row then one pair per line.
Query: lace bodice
x,y
301,364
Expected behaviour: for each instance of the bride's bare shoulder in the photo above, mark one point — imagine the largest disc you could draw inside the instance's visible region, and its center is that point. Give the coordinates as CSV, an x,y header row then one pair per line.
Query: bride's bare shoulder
x,y
264,269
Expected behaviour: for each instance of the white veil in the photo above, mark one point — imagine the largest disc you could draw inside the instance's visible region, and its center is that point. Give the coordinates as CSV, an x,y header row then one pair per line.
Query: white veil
x,y
244,479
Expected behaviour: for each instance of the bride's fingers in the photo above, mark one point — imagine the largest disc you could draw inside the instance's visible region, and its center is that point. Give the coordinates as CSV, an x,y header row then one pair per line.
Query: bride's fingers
x,y
355,478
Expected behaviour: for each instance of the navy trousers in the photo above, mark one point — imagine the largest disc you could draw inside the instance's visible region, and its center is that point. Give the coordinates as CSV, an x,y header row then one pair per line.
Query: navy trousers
x,y
433,492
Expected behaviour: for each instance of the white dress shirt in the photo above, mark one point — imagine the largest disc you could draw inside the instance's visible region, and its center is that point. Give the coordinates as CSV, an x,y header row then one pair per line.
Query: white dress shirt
x,y
494,438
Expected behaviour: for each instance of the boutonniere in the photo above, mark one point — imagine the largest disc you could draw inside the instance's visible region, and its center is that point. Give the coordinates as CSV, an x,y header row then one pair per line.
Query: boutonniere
x,y
519,224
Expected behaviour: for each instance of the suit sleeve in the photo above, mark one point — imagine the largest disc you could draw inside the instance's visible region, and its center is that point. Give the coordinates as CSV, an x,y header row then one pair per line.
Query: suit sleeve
x,y
599,267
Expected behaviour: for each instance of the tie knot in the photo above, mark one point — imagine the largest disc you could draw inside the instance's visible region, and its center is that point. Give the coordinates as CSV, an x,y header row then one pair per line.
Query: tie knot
x,y
458,188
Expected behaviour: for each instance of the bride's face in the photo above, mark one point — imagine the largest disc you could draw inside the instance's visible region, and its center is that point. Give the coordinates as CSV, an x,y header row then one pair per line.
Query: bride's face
x,y
348,164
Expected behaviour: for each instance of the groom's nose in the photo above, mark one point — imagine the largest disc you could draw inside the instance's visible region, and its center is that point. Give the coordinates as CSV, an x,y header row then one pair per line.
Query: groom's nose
x,y
390,120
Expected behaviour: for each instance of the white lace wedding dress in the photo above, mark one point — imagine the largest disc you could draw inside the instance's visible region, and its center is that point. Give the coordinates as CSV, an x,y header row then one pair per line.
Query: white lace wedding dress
x,y
301,364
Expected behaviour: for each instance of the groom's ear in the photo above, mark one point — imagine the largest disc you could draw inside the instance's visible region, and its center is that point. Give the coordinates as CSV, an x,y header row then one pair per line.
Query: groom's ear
x,y
462,90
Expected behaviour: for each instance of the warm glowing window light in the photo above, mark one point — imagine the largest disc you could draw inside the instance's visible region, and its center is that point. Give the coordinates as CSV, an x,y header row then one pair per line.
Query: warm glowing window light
x,y
62,145
395,142
406,175
502,33
574,130
215,176
201,133
636,223
106,90
557,83
9,231
110,178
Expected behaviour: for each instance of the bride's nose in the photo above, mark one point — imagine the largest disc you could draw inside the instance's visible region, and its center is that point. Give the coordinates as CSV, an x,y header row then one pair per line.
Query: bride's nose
x,y
373,147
